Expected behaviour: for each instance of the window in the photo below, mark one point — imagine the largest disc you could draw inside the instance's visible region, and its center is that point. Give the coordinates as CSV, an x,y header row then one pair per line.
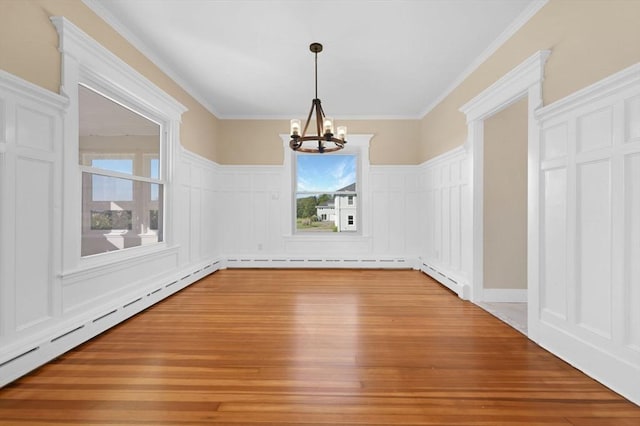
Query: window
x,y
122,189
326,186
350,220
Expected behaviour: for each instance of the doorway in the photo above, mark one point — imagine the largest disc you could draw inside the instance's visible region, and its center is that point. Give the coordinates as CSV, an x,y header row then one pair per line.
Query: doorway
x,y
505,215
522,82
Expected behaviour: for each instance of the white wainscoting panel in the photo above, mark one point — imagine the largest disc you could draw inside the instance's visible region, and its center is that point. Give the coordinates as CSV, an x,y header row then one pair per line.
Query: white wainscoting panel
x,y
30,152
594,247
33,230
632,248
553,286
45,310
251,210
589,231
255,203
444,208
395,206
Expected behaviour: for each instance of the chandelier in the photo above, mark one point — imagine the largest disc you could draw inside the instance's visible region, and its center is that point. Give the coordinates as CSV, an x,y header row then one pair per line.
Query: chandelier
x,y
324,126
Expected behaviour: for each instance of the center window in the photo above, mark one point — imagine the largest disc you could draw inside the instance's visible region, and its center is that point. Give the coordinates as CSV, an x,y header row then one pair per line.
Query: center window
x,y
326,193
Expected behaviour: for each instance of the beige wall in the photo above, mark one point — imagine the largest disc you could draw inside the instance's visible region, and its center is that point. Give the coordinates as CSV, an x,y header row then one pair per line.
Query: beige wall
x,y
258,141
29,49
589,40
505,198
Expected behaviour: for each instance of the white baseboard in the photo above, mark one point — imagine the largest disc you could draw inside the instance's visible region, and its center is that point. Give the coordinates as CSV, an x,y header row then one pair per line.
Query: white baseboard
x,y
457,285
605,367
29,354
321,261
504,295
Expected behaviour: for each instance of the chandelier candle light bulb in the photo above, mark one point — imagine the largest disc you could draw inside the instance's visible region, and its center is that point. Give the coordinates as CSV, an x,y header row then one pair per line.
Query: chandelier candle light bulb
x,y
342,132
328,126
295,127
323,125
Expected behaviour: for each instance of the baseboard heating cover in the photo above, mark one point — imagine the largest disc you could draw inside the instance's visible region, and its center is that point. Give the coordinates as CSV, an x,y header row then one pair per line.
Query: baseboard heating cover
x,y
320,262
452,282
25,356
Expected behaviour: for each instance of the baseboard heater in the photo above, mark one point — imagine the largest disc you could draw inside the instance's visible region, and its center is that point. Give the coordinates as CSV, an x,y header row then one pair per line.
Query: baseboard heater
x,y
453,283
30,355
319,262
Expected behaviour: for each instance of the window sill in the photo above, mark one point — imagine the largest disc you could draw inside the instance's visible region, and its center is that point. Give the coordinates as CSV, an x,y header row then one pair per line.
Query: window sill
x,y
99,264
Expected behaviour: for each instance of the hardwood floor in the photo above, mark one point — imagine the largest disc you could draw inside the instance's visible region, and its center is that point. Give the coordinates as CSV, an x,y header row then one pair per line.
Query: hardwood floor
x,y
303,347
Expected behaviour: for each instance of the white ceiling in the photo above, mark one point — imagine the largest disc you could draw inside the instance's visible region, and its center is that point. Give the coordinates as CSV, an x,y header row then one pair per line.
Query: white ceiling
x,y
381,58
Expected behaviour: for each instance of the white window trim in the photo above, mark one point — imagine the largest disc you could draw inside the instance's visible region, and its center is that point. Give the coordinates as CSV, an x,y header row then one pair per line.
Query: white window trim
x,y
86,62
356,144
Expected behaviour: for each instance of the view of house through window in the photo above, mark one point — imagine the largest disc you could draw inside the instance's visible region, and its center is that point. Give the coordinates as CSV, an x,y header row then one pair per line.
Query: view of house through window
x,y
122,192
326,193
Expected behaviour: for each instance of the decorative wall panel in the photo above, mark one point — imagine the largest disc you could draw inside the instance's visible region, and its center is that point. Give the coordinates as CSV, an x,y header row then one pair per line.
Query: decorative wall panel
x,y
594,130
554,243
589,287
444,209
632,249
554,142
632,118
594,247
33,245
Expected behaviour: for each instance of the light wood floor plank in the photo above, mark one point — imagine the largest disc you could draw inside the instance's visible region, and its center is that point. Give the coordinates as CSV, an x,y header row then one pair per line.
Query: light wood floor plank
x,y
312,347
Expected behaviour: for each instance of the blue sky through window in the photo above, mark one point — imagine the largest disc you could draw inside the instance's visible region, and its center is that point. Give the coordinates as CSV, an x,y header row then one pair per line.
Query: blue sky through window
x,y
325,173
115,165
107,188
155,174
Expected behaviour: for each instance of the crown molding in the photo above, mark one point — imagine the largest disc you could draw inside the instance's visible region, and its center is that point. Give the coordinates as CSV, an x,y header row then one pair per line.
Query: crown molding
x,y
116,24
518,23
97,7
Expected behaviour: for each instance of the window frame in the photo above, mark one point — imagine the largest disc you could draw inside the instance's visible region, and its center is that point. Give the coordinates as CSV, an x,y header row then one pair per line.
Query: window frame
x,y
85,62
357,144
356,193
143,197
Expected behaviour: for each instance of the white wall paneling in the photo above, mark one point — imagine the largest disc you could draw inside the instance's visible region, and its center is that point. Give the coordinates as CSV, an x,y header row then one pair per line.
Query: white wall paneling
x,y
44,313
444,184
198,209
589,288
50,298
257,209
30,152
